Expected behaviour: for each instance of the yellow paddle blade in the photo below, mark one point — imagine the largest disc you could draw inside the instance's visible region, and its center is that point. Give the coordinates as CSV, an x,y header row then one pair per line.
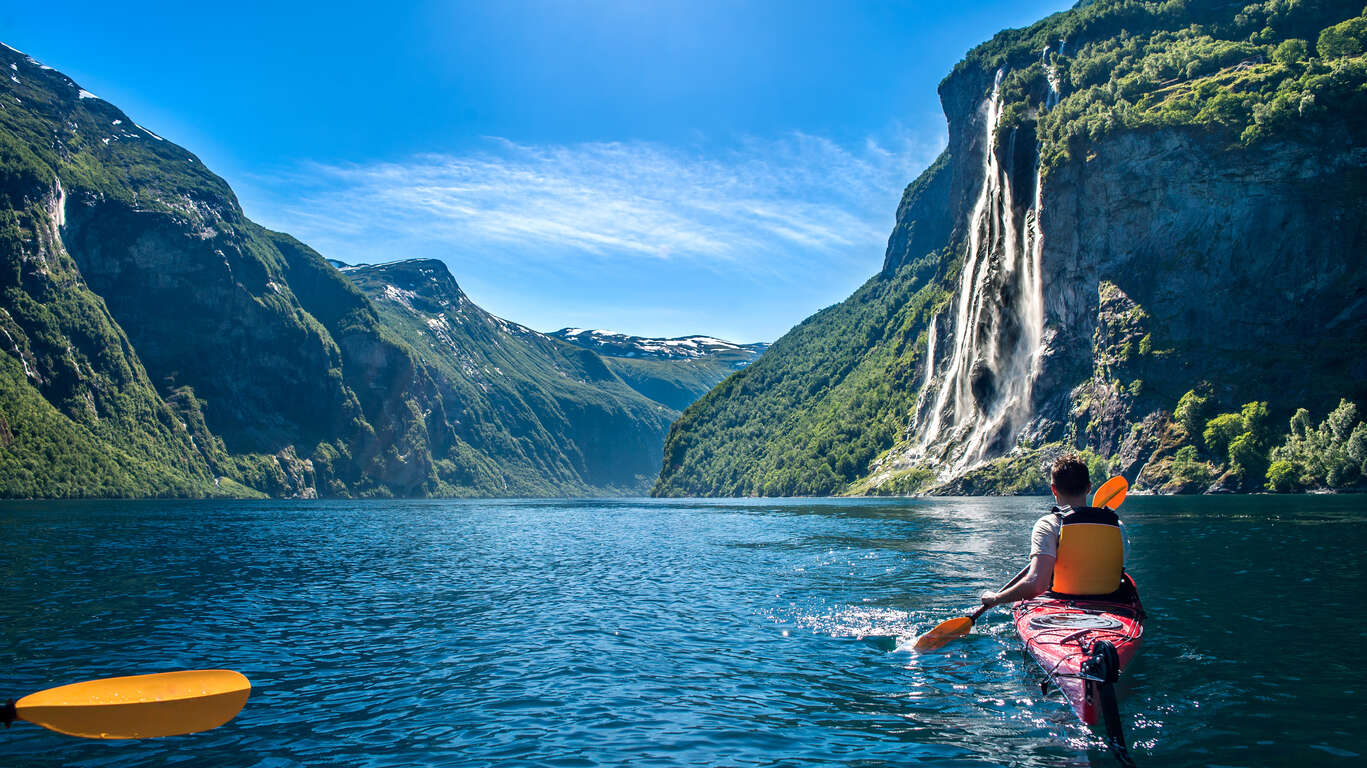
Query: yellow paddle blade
x,y
936,638
1111,493
139,707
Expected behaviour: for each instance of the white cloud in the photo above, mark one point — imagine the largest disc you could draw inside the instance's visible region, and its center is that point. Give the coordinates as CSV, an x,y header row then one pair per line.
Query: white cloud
x,y
755,208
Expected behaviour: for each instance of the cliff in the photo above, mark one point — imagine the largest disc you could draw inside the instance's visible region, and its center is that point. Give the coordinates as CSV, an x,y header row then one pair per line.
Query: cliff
x,y
1137,200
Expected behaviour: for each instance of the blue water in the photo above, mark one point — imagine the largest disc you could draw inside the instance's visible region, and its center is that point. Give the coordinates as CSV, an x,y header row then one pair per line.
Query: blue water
x,y
643,632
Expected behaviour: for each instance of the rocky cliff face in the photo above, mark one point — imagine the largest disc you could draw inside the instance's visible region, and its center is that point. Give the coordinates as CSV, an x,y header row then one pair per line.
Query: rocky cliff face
x,y
1166,255
157,342
1135,199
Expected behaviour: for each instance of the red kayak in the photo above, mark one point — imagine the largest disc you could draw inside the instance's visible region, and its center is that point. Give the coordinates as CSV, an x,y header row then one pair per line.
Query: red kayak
x,y
1084,645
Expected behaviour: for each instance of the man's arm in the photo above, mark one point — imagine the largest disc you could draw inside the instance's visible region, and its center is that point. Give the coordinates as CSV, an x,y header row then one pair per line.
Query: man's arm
x,y
1036,582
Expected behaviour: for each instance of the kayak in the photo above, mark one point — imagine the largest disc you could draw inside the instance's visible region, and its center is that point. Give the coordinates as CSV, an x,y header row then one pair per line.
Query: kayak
x,y
1083,646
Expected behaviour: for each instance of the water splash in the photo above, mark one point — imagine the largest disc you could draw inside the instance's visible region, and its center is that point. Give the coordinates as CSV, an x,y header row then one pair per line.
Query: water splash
x,y
982,397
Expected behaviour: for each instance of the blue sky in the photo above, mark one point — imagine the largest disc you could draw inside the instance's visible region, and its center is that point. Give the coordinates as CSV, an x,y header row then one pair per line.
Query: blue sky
x,y
653,167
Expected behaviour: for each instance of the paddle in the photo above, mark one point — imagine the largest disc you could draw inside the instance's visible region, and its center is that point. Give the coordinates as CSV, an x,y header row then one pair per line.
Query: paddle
x,y
1111,493
138,707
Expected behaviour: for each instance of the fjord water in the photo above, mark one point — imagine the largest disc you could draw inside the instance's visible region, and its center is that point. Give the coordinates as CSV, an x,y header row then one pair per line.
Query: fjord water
x,y
662,632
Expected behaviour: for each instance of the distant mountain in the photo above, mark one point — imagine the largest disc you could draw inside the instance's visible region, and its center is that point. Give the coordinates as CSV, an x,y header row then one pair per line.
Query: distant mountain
x,y
616,344
154,341
675,371
550,412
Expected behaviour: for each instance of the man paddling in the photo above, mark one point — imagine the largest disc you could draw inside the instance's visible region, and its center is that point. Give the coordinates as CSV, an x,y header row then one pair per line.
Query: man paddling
x,y
1075,550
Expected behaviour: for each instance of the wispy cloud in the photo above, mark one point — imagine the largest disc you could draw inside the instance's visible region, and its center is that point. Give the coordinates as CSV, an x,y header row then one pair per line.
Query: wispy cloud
x,y
800,197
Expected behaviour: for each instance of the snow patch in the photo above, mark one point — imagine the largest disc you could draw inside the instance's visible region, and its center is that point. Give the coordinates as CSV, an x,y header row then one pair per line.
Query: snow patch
x,y
117,122
400,296
149,133
15,79
84,94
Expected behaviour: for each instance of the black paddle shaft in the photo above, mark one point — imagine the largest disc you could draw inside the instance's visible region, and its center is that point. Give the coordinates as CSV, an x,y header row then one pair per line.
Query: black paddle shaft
x,y
8,713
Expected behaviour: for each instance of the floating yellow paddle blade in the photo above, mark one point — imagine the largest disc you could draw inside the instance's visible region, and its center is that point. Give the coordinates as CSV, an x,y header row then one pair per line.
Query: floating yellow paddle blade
x,y
1111,493
139,707
936,638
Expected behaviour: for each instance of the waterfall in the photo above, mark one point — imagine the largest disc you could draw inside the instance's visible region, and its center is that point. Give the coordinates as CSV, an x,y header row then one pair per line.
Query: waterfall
x,y
930,349
1051,77
982,398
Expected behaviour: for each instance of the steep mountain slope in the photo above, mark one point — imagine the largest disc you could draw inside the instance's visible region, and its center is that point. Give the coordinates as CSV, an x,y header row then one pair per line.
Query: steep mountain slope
x,y
675,371
158,342
1137,200
552,416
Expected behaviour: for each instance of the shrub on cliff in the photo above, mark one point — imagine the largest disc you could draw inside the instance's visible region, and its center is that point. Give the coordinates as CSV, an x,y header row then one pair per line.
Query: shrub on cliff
x,y
1241,441
1188,469
1195,408
1220,433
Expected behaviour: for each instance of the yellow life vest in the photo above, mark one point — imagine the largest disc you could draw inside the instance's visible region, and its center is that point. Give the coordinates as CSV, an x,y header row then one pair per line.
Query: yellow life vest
x,y
1091,552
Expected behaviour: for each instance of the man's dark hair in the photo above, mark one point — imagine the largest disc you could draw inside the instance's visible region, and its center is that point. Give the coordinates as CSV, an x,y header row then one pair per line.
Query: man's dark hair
x,y
1069,475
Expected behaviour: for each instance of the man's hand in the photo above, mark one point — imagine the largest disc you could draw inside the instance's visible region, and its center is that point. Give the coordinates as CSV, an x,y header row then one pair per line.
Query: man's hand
x,y
989,598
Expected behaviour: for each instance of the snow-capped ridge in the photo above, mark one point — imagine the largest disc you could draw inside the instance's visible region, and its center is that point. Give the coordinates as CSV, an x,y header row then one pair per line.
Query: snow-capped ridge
x,y
616,344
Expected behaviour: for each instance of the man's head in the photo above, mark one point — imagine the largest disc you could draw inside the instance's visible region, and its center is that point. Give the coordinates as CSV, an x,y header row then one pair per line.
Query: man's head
x,y
1069,479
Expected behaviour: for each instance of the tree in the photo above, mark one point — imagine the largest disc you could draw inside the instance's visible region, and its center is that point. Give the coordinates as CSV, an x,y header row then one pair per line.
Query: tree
x,y
1247,457
1221,431
1346,38
1291,51
1330,455
1283,476
1194,408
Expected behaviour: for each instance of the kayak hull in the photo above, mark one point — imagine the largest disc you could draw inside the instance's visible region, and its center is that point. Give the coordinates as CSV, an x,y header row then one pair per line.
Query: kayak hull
x,y
1059,633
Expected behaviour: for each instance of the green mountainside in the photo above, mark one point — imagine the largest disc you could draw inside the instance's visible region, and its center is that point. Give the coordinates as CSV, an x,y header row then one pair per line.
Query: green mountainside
x,y
157,342
1147,214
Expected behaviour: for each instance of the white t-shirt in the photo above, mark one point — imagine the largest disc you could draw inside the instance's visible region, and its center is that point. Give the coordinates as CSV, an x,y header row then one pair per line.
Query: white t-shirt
x,y
1044,538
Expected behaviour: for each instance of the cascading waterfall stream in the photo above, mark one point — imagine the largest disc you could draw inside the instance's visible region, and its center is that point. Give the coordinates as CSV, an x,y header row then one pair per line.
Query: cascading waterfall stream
x,y
983,396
